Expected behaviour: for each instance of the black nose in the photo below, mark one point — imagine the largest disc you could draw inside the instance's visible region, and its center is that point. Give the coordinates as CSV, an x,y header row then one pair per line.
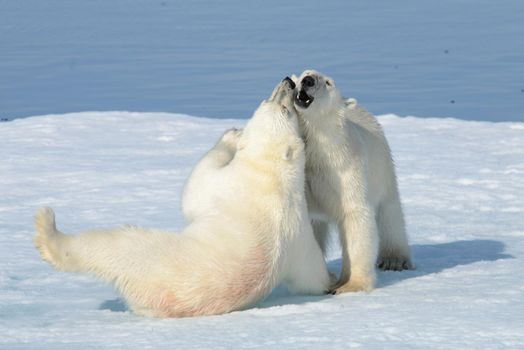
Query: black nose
x,y
291,82
308,81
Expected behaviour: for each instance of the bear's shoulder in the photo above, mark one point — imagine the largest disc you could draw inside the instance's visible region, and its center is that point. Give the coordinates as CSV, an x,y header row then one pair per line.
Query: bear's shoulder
x,y
357,114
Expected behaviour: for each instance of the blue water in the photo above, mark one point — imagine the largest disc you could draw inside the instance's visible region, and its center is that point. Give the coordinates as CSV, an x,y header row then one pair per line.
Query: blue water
x,y
446,58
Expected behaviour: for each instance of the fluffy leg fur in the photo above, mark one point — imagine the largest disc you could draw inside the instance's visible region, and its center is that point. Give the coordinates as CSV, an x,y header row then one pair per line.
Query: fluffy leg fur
x,y
321,231
105,254
308,271
220,155
48,240
153,270
359,241
394,253
202,181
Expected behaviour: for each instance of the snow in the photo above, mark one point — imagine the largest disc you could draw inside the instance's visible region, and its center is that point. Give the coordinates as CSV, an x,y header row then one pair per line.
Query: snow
x,y
462,186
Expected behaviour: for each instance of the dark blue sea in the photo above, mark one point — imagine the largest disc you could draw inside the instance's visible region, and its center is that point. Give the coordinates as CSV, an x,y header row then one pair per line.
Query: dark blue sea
x,y
219,59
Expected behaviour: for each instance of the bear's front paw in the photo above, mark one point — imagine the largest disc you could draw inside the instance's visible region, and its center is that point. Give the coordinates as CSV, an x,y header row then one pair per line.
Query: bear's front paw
x,y
231,137
395,264
355,285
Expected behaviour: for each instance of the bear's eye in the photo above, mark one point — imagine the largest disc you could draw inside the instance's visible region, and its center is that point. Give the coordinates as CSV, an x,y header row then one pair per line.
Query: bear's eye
x,y
328,83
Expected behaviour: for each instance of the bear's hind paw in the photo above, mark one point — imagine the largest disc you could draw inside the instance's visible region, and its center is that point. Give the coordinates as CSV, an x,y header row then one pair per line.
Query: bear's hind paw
x,y
395,264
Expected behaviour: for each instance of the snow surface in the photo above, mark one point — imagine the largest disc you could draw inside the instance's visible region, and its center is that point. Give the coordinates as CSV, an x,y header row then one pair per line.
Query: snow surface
x,y
462,185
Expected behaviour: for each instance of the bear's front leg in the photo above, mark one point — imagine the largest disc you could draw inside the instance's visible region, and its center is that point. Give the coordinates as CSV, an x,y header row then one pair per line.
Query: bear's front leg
x,y
223,152
359,242
204,180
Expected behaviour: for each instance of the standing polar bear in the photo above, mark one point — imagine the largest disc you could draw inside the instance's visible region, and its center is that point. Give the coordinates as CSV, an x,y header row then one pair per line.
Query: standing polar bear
x,y
351,180
253,232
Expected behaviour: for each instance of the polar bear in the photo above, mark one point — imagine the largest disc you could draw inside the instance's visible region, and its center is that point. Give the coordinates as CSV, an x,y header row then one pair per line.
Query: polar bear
x,y
255,233
350,180
201,192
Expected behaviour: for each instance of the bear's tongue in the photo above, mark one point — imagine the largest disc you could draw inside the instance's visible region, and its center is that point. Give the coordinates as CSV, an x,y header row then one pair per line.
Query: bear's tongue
x,y
304,98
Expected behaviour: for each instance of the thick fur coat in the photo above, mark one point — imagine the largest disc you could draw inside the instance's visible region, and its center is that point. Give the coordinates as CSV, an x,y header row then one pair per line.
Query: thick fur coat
x,y
350,181
248,229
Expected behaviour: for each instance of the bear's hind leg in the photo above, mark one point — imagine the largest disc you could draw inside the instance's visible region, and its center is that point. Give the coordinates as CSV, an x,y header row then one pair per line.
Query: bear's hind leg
x,y
49,241
96,252
321,231
394,252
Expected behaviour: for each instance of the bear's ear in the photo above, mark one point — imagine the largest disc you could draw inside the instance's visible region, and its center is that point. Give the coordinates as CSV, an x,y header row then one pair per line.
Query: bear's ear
x,y
350,103
294,78
330,83
292,150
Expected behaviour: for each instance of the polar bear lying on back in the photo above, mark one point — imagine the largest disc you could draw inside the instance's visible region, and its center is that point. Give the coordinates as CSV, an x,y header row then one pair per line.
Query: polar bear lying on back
x,y
351,180
253,233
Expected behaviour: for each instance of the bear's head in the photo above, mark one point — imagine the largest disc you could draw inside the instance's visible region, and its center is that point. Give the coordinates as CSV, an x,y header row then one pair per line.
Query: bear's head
x,y
316,95
273,130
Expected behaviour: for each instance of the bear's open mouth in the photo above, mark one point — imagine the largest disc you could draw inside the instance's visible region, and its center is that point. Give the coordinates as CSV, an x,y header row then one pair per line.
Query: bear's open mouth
x,y
303,99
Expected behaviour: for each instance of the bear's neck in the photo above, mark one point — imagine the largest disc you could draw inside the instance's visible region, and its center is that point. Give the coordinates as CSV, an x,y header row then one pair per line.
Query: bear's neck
x,y
323,126
271,174
282,189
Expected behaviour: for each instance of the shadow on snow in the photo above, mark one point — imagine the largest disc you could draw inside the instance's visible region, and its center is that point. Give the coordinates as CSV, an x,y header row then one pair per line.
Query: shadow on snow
x,y
115,305
428,258
434,258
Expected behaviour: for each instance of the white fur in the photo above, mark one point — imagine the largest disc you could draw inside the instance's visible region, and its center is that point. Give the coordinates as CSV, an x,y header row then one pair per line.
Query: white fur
x,y
351,180
249,234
